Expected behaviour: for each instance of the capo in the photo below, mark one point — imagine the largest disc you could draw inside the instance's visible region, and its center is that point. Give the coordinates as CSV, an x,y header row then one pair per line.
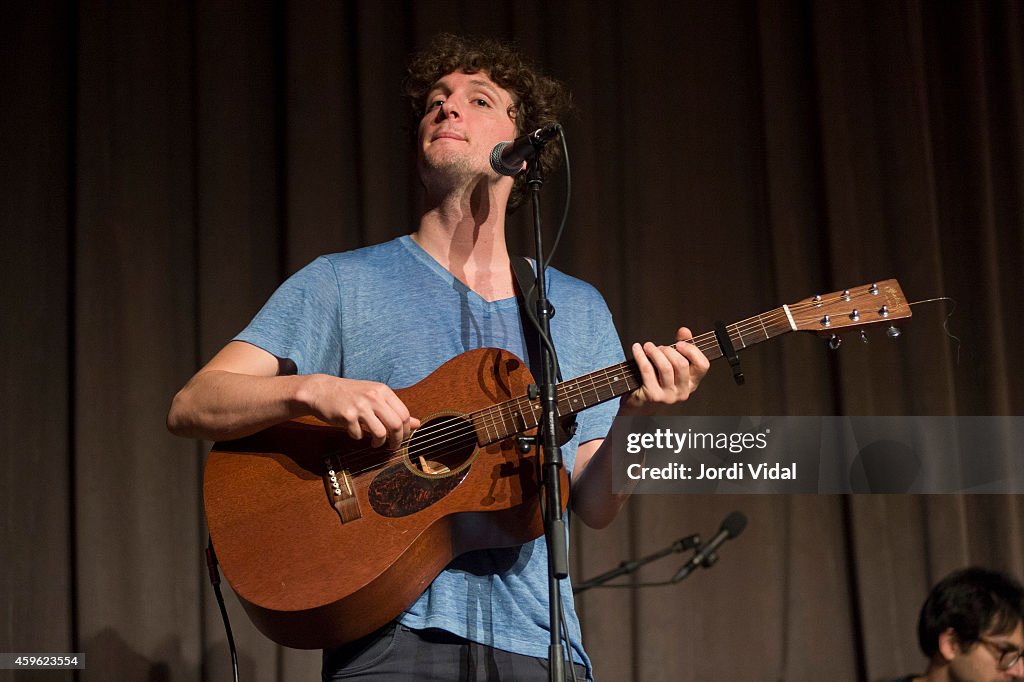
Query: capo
x,y
728,352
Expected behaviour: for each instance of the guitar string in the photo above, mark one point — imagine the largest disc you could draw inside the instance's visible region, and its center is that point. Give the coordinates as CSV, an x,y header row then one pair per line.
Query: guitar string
x,y
495,416
466,428
817,307
571,391
705,342
491,419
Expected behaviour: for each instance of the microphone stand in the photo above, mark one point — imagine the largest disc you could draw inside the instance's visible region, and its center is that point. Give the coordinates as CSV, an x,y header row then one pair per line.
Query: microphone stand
x,y
627,567
547,439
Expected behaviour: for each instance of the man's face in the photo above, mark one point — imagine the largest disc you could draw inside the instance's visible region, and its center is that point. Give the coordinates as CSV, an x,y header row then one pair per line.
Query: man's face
x,y
465,115
980,661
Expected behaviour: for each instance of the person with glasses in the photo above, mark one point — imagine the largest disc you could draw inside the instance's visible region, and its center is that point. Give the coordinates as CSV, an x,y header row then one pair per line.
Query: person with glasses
x,y
971,628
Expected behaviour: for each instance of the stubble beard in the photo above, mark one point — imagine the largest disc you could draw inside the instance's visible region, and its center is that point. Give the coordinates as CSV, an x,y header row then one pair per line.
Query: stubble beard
x,y
442,174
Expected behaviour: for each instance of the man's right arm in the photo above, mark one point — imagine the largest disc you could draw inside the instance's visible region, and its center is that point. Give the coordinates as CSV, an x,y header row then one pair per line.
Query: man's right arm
x,y
242,390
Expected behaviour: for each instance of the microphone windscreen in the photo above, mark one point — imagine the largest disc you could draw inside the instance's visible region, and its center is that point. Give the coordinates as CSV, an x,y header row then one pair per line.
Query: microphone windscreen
x,y
497,165
734,524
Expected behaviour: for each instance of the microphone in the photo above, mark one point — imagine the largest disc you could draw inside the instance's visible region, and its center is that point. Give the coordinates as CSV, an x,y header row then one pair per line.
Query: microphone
x,y
507,157
732,526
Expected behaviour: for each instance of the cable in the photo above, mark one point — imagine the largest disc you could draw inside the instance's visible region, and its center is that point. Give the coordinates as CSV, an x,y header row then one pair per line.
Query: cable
x,y
568,197
211,566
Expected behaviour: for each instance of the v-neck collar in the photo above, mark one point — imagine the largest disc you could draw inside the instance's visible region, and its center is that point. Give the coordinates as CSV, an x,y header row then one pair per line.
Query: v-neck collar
x,y
420,254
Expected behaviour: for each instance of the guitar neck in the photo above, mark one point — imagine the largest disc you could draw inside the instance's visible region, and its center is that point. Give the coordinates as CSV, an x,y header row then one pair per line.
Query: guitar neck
x,y
511,417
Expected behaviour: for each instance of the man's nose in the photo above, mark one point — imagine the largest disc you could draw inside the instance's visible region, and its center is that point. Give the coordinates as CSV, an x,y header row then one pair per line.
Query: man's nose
x,y
448,108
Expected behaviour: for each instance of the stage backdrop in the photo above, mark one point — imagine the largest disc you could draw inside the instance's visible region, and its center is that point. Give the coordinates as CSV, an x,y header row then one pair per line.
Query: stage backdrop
x,y
166,164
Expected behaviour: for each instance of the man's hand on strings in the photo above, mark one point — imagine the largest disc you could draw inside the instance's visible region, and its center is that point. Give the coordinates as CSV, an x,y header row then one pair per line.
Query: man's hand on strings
x,y
363,408
670,374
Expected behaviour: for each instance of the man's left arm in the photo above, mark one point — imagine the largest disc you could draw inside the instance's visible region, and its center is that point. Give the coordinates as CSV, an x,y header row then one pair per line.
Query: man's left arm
x,y
670,375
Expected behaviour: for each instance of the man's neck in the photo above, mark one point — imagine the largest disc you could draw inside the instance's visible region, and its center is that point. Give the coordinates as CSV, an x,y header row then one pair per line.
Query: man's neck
x,y
938,671
465,233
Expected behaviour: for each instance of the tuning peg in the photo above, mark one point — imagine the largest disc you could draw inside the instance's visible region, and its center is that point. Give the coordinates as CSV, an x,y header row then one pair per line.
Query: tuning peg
x,y
893,331
834,342
863,336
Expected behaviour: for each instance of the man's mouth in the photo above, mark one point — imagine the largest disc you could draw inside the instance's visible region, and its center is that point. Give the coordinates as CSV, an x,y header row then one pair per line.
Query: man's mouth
x,y
447,135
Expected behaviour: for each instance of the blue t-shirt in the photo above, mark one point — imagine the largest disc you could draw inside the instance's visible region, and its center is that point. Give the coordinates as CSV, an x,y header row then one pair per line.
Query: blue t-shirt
x,y
391,313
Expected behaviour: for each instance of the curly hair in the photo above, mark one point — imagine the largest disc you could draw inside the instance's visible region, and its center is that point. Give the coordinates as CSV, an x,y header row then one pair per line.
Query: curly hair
x,y
537,100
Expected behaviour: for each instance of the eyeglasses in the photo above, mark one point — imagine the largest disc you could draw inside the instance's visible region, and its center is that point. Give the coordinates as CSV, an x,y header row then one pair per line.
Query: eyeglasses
x,y
1007,654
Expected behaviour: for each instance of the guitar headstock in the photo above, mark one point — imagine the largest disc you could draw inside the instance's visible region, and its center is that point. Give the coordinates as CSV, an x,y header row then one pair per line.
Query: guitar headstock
x,y
854,308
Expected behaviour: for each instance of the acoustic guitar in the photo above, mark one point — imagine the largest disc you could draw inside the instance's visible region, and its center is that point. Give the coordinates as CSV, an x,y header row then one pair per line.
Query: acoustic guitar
x,y
325,539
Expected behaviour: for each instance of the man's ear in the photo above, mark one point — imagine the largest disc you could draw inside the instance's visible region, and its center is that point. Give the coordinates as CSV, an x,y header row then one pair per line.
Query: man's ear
x,y
949,644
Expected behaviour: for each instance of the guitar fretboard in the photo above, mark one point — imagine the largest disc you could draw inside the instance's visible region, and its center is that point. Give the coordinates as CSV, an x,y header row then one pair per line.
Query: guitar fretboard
x,y
501,421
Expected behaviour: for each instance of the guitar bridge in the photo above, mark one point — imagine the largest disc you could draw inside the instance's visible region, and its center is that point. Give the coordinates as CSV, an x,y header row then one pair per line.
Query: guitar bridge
x,y
341,492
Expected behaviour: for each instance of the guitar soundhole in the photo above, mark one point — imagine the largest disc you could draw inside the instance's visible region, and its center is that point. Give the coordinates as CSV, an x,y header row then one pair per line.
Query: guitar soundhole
x,y
441,447
438,459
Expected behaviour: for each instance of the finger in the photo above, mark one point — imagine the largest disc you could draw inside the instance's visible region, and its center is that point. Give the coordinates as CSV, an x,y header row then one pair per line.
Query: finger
x,y
405,424
354,428
681,367
386,409
394,427
690,351
391,399
683,334
684,341
373,427
666,371
647,373
380,414
681,380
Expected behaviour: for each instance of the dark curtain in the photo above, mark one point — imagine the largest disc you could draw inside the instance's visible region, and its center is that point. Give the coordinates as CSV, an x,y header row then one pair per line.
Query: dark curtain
x,y
166,164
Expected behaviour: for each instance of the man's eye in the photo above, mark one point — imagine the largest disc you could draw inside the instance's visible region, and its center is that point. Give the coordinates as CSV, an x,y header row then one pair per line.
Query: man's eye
x,y
480,102
434,104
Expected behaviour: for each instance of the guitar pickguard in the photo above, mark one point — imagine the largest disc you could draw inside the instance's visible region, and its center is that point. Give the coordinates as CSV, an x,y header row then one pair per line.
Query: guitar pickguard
x,y
435,461
397,491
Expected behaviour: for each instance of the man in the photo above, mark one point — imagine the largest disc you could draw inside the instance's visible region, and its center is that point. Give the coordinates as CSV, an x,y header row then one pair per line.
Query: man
x,y
971,628
338,336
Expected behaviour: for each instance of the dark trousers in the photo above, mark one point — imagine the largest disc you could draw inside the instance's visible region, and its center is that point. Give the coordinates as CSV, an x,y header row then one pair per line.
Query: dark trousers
x,y
396,653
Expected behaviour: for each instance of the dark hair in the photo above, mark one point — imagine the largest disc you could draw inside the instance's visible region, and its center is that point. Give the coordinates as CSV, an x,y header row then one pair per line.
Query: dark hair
x,y
537,100
973,601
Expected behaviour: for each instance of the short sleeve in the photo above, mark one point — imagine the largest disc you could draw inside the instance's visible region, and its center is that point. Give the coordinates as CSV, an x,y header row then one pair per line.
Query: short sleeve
x,y
606,351
302,321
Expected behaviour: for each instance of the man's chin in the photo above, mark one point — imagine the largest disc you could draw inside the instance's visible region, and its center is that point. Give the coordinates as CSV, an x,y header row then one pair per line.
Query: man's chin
x,y
450,167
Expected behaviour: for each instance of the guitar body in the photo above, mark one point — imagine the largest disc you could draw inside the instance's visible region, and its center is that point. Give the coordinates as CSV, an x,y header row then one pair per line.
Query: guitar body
x,y
325,539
